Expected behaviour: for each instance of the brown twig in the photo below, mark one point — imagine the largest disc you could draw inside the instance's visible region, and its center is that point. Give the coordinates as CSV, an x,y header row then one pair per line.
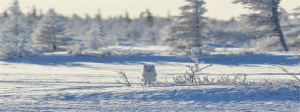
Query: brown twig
x,y
124,78
286,71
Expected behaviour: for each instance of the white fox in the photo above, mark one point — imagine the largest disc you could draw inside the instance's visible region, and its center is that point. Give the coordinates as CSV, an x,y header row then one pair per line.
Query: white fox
x,y
149,74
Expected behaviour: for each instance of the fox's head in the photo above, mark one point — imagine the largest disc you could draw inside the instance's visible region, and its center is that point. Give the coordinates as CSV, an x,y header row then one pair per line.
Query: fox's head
x,y
149,68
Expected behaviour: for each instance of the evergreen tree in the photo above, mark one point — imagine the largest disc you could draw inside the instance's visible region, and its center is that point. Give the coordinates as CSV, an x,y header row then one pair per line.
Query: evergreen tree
x,y
94,38
76,24
297,12
128,20
32,19
190,28
292,31
284,15
98,15
5,14
149,18
87,23
265,22
34,12
293,34
14,35
169,16
51,33
41,15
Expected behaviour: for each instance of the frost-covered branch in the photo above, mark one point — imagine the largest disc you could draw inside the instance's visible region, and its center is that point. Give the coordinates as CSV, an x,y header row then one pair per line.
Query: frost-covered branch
x,y
191,76
124,78
286,71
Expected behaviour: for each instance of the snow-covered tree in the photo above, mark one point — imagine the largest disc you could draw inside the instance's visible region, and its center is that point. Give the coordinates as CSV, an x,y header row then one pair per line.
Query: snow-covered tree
x,y
149,18
284,15
265,21
51,32
293,34
95,37
297,12
232,32
14,34
292,31
75,23
32,18
190,28
128,20
4,14
86,23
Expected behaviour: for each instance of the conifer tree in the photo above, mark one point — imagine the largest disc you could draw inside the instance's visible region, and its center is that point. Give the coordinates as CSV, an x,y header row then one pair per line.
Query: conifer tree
x,y
14,34
51,32
265,21
94,37
190,28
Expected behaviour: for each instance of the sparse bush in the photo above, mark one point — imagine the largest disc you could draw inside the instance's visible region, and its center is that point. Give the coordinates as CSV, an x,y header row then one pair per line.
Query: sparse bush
x,y
190,77
286,71
238,79
277,87
124,78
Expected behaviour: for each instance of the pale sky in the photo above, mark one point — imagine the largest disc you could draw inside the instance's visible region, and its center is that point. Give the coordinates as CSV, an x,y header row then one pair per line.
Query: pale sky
x,y
220,9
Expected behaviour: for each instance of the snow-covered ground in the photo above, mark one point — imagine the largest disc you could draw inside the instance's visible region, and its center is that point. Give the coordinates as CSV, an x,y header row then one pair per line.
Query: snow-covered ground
x,y
61,82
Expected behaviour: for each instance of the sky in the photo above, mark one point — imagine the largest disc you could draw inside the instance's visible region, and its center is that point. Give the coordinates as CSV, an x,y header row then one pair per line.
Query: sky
x,y
220,9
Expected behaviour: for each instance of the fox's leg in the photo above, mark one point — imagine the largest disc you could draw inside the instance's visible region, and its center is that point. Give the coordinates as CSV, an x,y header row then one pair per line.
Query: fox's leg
x,y
149,82
145,82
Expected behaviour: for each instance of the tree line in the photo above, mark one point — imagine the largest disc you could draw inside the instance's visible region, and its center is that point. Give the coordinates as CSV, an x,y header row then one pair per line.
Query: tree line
x,y
268,28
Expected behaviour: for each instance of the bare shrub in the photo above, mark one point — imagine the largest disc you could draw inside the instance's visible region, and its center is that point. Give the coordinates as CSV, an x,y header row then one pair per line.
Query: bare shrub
x,y
124,78
190,77
270,88
238,79
286,71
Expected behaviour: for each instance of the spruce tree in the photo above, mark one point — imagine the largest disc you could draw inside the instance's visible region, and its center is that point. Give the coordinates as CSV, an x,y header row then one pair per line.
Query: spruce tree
x,y
190,28
14,33
95,37
51,32
265,21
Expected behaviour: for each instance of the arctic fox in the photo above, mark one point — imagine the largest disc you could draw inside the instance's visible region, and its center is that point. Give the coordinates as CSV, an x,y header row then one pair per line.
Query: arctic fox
x,y
149,74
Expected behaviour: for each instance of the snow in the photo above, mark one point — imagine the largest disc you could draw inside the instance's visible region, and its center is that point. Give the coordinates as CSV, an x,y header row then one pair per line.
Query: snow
x,y
62,82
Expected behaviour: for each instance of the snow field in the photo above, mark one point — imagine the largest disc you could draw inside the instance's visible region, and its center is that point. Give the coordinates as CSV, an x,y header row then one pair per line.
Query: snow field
x,y
62,82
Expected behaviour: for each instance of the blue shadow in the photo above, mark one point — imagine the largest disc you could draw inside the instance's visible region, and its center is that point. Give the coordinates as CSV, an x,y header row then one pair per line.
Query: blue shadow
x,y
69,60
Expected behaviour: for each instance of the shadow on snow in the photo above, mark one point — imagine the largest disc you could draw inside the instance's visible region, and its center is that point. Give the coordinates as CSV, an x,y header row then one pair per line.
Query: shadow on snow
x,y
69,60
206,95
